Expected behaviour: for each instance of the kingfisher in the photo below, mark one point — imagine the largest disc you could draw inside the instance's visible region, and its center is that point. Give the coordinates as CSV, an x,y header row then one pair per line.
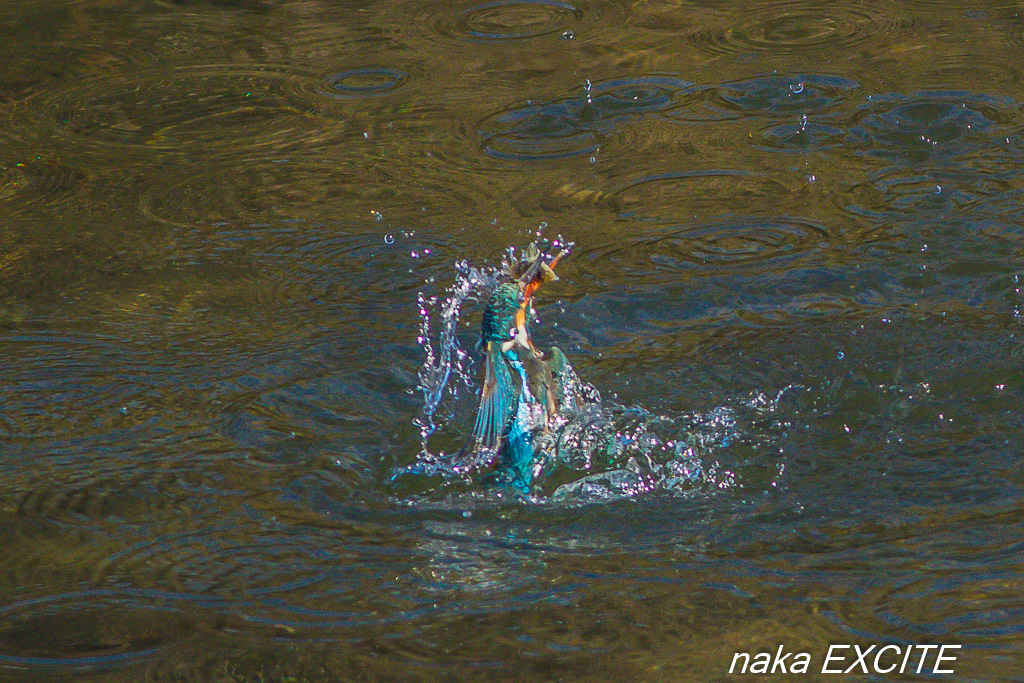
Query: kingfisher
x,y
523,388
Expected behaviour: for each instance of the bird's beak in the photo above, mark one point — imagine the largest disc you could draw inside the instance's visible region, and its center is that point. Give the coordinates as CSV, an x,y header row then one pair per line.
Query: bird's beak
x,y
537,273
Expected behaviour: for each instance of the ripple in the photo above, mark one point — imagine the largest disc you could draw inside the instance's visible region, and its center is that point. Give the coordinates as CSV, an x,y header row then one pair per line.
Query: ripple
x,y
265,191
792,94
917,192
580,125
803,137
504,20
913,127
216,110
737,241
37,183
196,561
795,26
978,67
895,194
979,606
12,180
184,198
366,82
289,579
522,21
697,194
105,628
65,386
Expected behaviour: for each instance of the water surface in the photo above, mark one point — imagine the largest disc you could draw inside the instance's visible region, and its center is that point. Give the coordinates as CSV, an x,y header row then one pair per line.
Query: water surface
x,y
800,231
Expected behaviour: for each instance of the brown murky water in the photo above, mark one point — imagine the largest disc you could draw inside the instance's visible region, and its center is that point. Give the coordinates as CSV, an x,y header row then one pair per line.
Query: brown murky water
x,y
800,232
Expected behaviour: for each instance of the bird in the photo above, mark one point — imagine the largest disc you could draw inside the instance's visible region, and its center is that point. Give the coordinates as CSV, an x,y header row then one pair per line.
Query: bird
x,y
523,388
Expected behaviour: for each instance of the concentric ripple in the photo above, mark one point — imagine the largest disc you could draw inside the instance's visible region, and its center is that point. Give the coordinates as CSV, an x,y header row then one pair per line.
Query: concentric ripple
x,y
197,561
913,127
504,20
739,241
12,180
208,111
907,190
778,94
365,82
978,67
577,126
94,628
185,198
803,136
981,606
36,183
680,197
795,26
299,579
744,241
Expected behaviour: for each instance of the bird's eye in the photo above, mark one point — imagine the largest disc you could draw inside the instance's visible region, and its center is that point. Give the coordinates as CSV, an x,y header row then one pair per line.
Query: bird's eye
x,y
512,333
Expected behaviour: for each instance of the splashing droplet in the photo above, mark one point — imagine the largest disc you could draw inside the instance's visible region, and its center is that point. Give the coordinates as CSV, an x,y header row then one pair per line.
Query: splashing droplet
x,y
796,88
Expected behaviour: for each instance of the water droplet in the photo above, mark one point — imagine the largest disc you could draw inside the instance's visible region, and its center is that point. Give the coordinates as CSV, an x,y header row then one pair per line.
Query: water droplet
x,y
377,215
796,88
568,35
414,254
389,238
812,178
587,85
840,355
366,135
593,160
938,189
924,247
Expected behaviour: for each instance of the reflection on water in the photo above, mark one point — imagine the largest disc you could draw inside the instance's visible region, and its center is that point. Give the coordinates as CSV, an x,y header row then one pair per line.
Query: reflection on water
x,y
236,236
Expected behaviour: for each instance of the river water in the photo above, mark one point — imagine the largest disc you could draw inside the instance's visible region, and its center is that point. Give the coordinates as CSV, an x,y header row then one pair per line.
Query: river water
x,y
235,242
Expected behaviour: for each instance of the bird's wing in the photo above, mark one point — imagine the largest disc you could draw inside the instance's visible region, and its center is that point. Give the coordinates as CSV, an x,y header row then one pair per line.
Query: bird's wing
x,y
497,399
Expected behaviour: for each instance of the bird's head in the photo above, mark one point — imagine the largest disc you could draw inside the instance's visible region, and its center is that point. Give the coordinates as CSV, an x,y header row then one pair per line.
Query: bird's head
x,y
536,266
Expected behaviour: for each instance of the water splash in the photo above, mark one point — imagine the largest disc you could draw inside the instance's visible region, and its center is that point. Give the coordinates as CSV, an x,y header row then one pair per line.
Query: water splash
x,y
593,450
449,358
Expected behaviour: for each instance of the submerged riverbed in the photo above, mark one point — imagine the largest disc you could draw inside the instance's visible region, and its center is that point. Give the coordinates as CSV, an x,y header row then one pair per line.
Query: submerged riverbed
x,y
228,230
